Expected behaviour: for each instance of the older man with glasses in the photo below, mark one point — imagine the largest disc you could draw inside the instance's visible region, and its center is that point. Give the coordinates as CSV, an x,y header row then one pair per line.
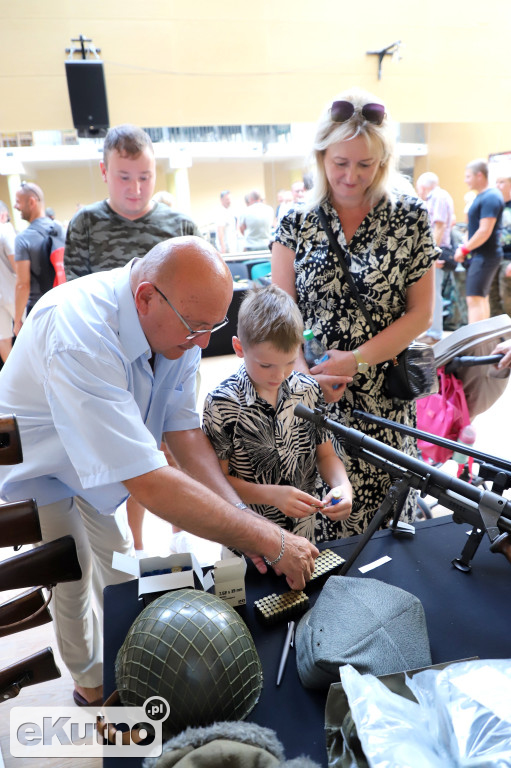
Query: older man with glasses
x,y
106,365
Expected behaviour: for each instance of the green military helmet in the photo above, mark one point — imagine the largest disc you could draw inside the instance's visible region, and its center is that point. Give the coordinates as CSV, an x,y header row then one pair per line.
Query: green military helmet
x,y
192,649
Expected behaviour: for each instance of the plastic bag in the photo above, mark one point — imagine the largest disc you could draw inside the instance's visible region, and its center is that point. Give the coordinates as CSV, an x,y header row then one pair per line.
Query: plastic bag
x,y
468,706
393,731
462,718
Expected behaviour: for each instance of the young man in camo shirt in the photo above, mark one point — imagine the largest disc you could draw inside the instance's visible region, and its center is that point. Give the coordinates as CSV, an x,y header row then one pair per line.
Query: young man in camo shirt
x,y
110,233
128,223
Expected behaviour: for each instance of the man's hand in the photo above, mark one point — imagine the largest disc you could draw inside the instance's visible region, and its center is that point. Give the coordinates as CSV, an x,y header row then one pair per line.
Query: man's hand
x,y
297,561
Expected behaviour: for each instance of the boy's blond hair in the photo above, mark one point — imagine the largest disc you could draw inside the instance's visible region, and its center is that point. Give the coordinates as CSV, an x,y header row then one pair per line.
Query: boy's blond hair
x,y
269,314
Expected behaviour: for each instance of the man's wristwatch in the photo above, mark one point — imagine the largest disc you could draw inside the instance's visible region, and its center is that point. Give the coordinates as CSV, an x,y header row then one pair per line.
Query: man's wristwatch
x,y
362,366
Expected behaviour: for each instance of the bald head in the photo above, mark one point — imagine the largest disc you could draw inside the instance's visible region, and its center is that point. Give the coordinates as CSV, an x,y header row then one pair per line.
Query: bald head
x,y
188,274
185,260
30,201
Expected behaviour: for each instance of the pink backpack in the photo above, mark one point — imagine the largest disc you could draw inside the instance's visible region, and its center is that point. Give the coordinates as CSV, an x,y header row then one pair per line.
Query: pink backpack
x,y
444,415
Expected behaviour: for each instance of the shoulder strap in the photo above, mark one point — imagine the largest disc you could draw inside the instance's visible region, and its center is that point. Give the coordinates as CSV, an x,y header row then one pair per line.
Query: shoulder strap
x,y
39,227
334,243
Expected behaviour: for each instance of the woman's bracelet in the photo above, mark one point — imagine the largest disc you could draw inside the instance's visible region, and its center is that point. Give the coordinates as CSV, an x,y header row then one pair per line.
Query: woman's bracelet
x,y
465,251
281,553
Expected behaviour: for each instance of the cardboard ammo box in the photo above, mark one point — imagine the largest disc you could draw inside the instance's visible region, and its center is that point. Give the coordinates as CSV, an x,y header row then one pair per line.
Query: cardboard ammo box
x,y
157,575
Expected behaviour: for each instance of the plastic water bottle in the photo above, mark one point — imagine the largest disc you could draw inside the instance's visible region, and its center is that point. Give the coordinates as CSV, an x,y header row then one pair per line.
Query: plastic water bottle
x,y
313,351
466,437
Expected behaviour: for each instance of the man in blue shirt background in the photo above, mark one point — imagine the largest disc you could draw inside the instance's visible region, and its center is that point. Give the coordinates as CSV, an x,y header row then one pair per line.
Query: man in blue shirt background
x,y
482,252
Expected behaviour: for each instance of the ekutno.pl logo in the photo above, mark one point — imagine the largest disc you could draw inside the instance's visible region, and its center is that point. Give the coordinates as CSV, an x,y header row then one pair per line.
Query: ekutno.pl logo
x,y
88,731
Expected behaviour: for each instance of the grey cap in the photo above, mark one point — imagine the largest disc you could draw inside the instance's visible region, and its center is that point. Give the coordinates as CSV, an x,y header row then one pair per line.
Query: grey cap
x,y
377,628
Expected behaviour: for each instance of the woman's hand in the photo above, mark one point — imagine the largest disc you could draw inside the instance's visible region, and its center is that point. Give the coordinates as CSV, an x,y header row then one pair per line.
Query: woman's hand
x,y
335,373
293,502
342,509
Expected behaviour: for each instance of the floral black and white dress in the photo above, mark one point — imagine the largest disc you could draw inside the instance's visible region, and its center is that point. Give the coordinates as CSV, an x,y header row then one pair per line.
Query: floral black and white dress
x,y
391,250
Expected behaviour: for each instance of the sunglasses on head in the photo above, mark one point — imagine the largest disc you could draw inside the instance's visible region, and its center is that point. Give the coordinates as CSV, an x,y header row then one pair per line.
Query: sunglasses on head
x,y
26,185
340,111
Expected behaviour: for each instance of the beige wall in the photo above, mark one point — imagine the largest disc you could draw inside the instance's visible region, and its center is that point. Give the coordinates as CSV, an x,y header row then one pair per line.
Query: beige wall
x,y
65,187
453,145
174,63
169,62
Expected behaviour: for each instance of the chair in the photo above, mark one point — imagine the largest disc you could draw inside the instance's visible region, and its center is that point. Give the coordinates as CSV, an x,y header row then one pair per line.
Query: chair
x,y
260,270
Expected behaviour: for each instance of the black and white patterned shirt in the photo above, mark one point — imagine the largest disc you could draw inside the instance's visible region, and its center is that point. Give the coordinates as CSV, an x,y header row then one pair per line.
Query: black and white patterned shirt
x,y
268,445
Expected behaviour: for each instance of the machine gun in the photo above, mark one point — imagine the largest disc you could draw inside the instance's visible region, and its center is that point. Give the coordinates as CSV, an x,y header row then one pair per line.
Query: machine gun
x,y
485,510
37,668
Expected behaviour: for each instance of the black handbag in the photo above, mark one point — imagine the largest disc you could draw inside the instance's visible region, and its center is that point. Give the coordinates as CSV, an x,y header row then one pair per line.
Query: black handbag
x,y
411,374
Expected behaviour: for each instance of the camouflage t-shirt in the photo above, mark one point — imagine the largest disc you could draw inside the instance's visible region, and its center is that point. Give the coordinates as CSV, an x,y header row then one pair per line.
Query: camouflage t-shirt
x,y
98,238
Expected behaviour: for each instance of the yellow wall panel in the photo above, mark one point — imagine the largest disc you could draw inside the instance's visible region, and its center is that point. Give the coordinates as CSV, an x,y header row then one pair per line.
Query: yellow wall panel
x,y
233,62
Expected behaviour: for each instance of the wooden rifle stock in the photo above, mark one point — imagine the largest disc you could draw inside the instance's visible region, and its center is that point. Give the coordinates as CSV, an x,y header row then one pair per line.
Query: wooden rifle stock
x,y
10,441
19,523
37,668
51,563
25,611
502,545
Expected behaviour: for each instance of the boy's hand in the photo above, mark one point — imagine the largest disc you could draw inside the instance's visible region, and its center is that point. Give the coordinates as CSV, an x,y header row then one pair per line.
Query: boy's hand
x,y
342,509
293,502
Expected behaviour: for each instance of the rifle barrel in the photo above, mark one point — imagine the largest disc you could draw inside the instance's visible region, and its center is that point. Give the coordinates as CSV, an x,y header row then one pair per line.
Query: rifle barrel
x,y
463,497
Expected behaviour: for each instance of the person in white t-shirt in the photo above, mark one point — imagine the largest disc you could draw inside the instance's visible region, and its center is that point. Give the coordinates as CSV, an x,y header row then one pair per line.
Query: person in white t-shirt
x,y
226,225
256,223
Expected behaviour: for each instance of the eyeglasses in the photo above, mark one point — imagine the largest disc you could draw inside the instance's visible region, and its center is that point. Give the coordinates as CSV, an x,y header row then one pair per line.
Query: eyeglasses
x,y
191,333
340,111
31,188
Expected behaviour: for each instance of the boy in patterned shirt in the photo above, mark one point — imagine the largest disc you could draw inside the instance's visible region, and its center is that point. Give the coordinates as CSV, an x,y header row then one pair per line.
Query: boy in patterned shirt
x,y
271,457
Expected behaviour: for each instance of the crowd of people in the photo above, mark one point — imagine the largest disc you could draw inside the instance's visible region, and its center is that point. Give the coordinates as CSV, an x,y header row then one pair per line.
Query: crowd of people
x,y
103,372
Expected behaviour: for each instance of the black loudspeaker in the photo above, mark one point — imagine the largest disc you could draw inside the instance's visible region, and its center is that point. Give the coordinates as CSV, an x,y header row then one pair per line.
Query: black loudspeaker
x,y
87,95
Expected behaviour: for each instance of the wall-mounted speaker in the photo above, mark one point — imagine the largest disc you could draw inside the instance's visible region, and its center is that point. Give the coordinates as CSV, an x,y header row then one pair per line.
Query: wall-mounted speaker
x,y
87,96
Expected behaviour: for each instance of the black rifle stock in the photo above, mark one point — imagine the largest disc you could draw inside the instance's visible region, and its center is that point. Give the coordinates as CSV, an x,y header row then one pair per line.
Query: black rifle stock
x,y
49,564
37,668
25,611
19,523
480,508
10,441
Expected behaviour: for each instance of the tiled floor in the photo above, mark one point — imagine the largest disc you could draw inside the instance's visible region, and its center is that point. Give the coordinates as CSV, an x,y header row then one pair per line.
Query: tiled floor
x,y
492,437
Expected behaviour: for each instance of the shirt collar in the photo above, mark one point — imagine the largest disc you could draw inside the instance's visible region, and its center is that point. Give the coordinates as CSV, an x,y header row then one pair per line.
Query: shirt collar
x,y
250,392
131,334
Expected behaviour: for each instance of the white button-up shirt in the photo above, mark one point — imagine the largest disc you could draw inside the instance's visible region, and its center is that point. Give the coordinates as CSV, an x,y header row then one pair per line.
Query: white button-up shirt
x,y
90,411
